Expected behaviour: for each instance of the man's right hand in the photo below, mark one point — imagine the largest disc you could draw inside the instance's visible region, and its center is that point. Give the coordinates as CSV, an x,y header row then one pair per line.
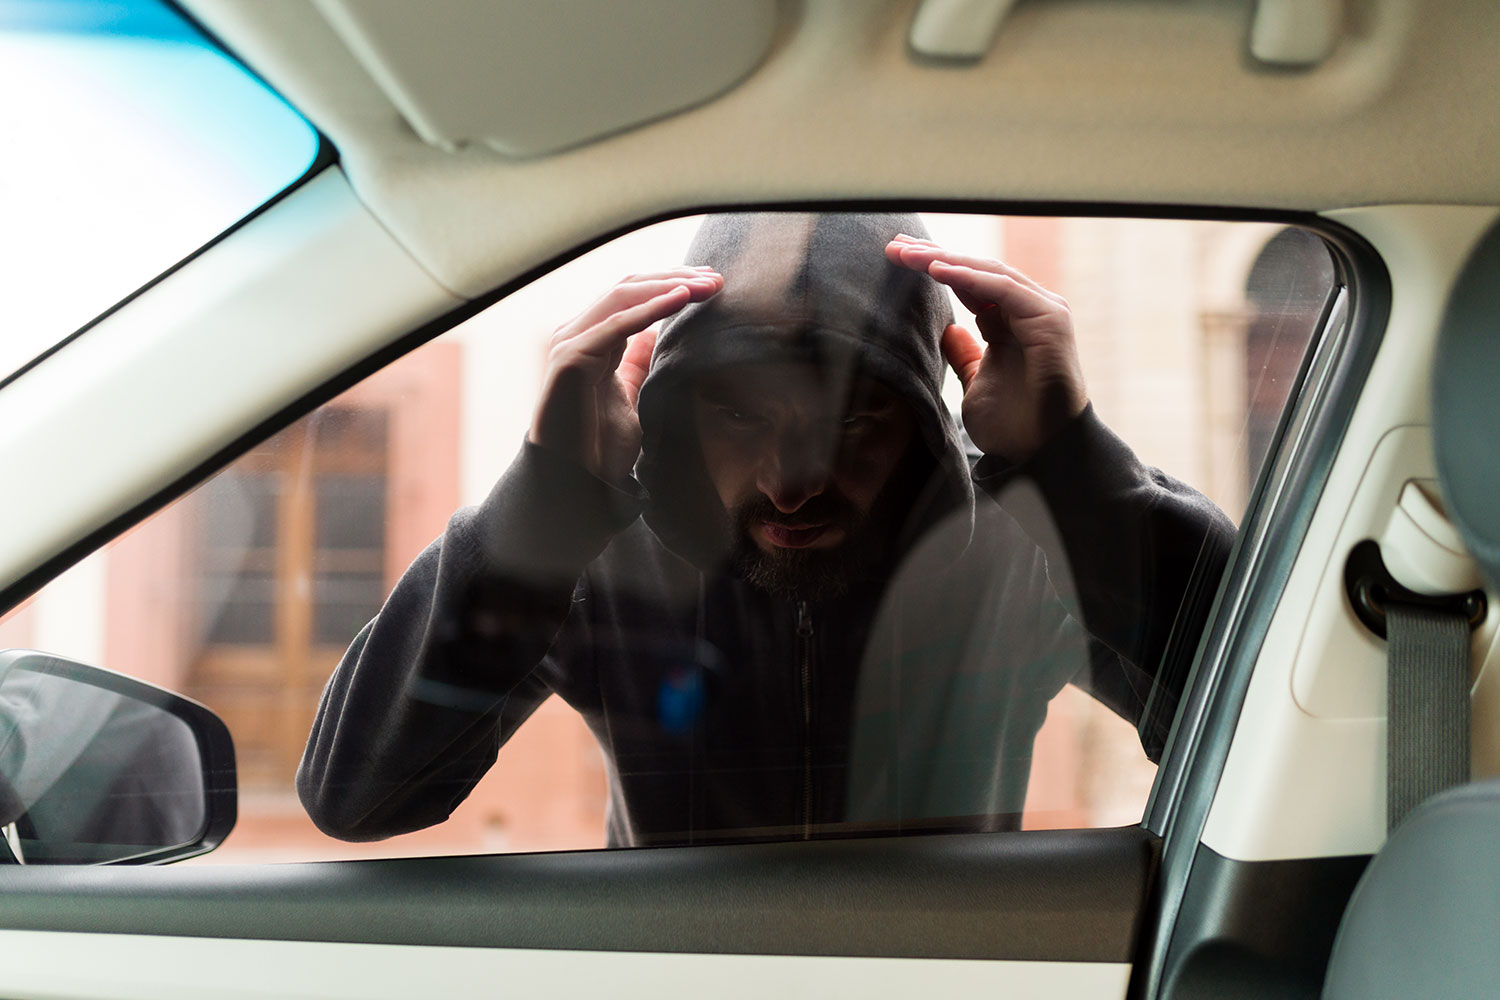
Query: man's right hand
x,y
597,362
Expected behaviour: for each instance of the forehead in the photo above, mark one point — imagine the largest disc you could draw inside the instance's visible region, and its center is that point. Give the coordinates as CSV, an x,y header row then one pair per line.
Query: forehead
x,y
791,384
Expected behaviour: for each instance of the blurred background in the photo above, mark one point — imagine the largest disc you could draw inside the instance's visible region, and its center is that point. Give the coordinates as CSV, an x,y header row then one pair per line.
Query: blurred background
x,y
245,593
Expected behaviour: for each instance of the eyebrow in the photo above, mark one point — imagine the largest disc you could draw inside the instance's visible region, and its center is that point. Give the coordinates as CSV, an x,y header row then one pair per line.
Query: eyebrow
x,y
871,404
718,395
872,398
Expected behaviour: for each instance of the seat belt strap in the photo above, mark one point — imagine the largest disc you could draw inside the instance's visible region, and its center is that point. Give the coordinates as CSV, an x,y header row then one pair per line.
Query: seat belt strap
x,y
1427,689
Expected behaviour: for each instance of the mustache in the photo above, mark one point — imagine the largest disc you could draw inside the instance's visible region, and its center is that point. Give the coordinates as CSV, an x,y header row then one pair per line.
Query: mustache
x,y
825,508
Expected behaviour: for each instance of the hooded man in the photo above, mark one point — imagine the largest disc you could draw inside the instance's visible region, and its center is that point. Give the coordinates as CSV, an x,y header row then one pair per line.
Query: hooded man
x,y
797,617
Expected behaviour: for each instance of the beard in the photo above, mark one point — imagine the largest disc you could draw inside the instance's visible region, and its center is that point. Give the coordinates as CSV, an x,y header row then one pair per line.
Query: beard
x,y
865,554
801,574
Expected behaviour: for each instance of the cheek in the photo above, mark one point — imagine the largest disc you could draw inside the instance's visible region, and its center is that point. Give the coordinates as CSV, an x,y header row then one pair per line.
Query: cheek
x,y
866,467
731,472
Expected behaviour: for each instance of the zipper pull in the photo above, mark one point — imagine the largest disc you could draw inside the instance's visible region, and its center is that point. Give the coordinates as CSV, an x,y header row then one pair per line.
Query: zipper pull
x,y
804,620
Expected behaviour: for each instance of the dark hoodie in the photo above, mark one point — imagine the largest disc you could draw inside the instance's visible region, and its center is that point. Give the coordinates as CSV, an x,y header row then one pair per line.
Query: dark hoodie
x,y
724,712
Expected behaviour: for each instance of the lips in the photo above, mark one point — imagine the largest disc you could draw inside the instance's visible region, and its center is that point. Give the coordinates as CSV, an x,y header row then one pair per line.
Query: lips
x,y
794,537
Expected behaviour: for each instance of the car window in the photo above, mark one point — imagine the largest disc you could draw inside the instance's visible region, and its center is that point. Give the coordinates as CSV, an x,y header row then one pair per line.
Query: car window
x,y
809,584
131,141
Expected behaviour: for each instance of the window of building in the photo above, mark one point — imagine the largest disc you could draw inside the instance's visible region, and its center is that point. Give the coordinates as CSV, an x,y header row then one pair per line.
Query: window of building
x,y
289,547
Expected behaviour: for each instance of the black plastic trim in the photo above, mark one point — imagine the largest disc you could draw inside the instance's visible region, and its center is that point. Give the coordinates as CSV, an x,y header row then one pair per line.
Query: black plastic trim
x,y
1261,928
1069,896
1282,509
1369,588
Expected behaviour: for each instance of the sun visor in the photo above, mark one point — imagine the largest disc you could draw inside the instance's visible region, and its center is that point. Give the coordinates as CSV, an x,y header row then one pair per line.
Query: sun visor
x,y
527,78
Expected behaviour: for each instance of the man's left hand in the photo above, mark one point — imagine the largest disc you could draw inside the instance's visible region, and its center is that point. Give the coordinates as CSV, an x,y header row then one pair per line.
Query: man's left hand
x,y
1022,382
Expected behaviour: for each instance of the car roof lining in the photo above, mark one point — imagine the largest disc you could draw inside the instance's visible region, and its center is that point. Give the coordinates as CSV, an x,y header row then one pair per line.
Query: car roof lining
x,y
1154,101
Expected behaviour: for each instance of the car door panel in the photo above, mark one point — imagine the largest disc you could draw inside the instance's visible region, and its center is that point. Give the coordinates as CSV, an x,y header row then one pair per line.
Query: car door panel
x,y
1258,928
1044,896
1043,914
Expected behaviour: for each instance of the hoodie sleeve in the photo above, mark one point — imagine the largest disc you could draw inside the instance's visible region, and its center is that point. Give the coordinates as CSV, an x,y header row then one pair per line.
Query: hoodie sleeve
x,y
1140,544
466,647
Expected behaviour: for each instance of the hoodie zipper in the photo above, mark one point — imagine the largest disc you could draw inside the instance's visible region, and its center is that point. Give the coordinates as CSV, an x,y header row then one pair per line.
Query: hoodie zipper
x,y
804,650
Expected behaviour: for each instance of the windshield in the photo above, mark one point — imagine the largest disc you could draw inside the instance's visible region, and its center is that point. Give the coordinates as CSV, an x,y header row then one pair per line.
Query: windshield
x,y
131,141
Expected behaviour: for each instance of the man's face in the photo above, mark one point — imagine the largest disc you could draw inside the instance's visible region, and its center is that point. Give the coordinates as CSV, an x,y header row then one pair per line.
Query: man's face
x,y
803,464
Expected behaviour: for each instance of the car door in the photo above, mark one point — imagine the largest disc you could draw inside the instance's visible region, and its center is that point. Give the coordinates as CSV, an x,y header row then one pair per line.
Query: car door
x,y
1038,911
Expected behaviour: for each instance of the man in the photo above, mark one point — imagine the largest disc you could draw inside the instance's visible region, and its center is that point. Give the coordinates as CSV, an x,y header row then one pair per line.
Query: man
x,y
797,618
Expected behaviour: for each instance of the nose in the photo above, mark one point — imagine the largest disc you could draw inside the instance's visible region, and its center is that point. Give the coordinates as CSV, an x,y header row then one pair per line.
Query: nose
x,y
795,469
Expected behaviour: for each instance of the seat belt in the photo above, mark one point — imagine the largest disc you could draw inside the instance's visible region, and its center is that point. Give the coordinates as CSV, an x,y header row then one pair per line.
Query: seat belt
x,y
1427,713
1427,678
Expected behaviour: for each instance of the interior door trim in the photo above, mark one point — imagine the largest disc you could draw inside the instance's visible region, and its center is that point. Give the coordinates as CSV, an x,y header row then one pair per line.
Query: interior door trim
x,y
1065,896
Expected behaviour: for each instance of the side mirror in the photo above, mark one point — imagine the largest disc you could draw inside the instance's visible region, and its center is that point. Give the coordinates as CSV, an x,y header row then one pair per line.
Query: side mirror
x,y
98,768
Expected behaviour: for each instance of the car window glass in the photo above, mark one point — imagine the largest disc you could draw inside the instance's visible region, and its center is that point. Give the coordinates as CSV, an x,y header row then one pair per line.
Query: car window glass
x,y
131,141
813,608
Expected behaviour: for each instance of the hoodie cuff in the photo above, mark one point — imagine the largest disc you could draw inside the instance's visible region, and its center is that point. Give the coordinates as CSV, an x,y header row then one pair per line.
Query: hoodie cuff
x,y
1084,459
549,517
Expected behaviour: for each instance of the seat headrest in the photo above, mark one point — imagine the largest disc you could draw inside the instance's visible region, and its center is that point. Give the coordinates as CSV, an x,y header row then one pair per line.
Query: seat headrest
x,y
1466,405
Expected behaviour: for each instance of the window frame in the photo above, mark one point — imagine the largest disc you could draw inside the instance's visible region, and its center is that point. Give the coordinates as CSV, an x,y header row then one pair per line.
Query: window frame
x,y
1357,268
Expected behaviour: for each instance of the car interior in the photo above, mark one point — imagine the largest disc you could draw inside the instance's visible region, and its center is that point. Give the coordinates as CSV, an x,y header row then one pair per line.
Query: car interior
x,y
469,149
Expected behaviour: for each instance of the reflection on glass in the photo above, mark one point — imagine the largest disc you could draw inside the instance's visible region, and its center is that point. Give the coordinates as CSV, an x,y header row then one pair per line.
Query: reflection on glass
x,y
239,537
1190,334
246,615
287,564
351,512
349,564
788,592
1288,287
89,776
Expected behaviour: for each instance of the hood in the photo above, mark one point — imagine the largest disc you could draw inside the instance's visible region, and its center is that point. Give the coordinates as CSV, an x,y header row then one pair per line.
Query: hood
x,y
803,288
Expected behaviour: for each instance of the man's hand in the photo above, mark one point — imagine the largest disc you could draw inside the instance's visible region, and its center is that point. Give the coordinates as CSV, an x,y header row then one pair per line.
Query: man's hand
x,y
597,362
1022,383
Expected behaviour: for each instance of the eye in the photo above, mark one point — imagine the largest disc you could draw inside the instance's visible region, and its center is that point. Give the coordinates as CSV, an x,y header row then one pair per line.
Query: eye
x,y
739,419
859,423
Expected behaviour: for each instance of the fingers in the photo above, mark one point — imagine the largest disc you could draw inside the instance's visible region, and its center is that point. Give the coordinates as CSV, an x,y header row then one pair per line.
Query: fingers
x,y
996,293
583,411
1006,308
918,254
593,343
990,287
599,349
964,351
701,282
636,363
